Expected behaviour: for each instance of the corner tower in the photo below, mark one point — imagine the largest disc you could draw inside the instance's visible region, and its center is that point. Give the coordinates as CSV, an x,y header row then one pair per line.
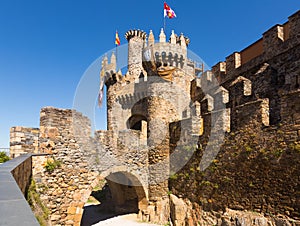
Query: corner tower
x,y
136,41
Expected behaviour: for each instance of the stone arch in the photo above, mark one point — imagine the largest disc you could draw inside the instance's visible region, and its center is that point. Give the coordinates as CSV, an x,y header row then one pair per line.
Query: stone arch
x,y
136,122
124,187
128,193
80,199
138,112
139,107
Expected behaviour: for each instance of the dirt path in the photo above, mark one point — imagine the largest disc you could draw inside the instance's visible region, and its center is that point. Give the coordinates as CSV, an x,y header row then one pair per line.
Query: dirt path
x,y
124,220
97,216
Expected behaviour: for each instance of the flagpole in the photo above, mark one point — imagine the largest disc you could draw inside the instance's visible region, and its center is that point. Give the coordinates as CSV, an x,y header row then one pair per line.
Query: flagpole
x,y
116,58
164,18
116,54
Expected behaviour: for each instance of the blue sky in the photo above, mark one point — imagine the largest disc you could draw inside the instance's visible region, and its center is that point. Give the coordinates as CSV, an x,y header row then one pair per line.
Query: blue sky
x,y
46,46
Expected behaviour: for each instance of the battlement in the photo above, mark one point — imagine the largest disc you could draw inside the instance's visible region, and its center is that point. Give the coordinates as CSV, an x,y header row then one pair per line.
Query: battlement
x,y
135,33
248,85
145,56
275,41
108,68
179,40
171,53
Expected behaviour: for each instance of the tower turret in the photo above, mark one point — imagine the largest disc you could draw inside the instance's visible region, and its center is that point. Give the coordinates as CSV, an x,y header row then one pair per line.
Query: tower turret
x,y
136,41
162,36
104,61
173,38
113,59
151,38
182,41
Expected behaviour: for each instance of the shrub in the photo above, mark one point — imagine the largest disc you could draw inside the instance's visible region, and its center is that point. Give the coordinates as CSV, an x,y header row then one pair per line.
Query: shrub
x,y
3,157
248,148
173,176
52,164
277,152
295,147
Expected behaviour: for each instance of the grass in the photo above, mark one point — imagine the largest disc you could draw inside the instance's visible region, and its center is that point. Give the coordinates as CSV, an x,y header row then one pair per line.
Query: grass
x,y
248,148
41,212
277,152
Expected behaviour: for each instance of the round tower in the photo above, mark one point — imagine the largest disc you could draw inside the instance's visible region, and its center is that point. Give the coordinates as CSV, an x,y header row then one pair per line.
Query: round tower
x,y
136,40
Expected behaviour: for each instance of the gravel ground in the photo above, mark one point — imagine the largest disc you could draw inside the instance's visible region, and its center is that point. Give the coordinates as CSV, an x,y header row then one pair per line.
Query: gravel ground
x,y
125,220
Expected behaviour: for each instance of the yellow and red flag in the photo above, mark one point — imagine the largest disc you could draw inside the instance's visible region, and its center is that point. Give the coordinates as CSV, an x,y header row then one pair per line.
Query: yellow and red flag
x,y
117,41
168,11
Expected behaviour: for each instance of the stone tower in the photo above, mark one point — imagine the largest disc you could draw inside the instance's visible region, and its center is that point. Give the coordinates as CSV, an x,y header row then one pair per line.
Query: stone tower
x,y
136,41
153,93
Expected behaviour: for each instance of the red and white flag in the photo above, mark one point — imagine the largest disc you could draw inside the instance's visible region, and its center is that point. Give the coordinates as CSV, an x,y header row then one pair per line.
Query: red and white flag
x,y
168,11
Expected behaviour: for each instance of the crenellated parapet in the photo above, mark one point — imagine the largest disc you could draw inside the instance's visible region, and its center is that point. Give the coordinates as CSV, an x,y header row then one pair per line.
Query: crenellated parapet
x,y
146,57
108,69
136,42
171,53
278,39
232,107
135,33
109,66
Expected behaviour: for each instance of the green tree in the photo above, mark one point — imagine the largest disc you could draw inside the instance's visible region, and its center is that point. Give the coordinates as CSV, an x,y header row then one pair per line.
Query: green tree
x,y
3,157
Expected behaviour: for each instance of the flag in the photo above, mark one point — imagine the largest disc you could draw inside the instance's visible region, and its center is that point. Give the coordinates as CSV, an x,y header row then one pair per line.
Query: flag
x,y
168,11
100,95
101,88
117,41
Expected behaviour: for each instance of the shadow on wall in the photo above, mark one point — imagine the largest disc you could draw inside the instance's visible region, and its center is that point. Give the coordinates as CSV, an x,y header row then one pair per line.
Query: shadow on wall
x,y
108,207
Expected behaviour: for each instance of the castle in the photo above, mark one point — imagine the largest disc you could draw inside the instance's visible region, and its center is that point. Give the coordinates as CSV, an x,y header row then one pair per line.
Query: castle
x,y
179,146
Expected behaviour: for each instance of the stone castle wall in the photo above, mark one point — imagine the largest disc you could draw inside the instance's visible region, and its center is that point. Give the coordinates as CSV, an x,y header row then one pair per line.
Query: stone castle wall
x,y
65,137
23,140
239,138
256,167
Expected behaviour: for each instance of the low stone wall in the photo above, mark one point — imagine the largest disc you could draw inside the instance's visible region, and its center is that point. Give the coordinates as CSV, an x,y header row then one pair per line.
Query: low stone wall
x,y
15,178
23,140
22,174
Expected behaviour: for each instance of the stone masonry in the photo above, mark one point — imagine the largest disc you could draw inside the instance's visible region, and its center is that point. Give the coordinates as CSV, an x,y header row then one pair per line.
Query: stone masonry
x,y
217,149
23,140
